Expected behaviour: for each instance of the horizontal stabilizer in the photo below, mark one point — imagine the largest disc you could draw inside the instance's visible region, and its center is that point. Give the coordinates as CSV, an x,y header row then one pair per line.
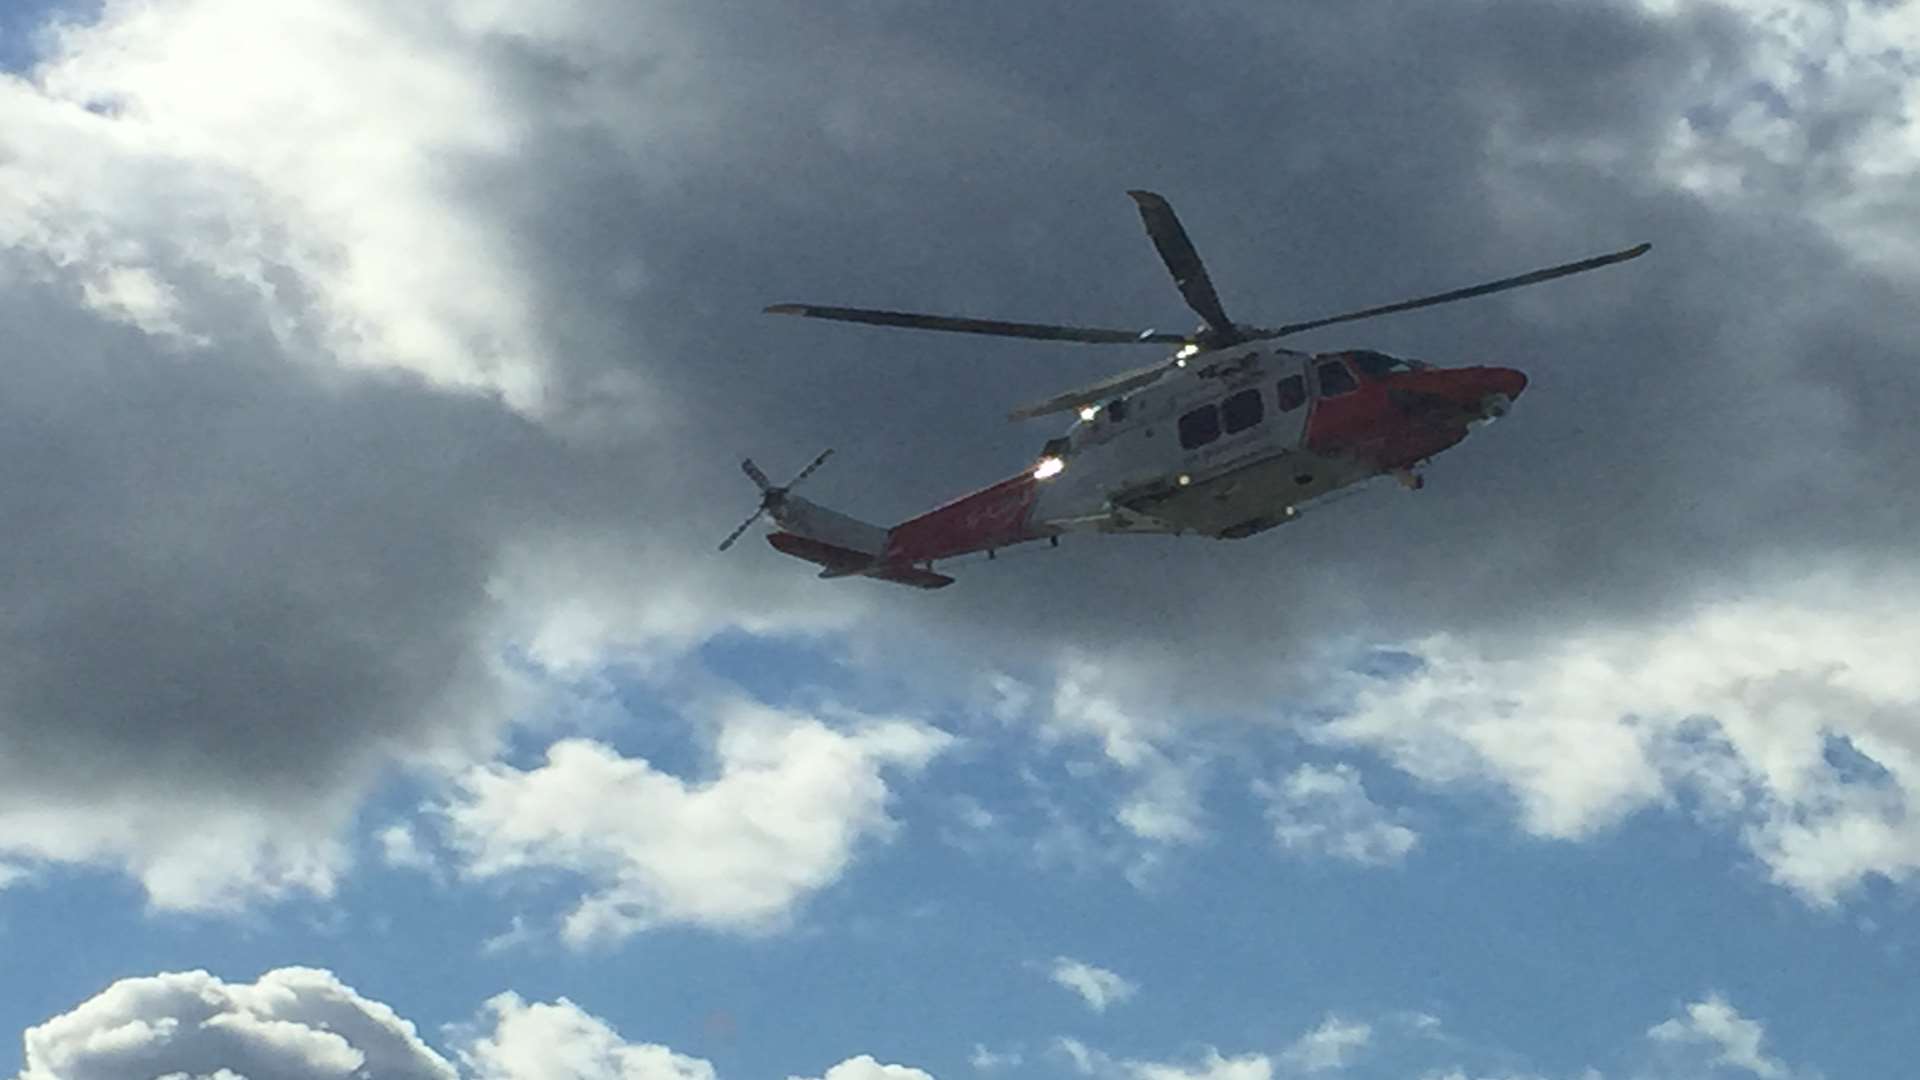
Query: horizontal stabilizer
x,y
839,562
911,575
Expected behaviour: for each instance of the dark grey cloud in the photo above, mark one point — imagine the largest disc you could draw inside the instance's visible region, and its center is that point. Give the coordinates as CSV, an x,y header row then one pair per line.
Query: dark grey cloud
x,y
237,573
903,156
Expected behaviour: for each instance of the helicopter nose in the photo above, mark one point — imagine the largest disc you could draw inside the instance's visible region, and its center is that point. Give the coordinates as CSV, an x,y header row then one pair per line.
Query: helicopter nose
x,y
1506,381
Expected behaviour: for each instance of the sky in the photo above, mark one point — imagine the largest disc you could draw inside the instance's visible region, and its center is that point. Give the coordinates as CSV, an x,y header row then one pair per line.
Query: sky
x,y
374,704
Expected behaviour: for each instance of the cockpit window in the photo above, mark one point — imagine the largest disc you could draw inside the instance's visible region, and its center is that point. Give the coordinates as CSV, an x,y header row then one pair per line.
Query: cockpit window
x,y
1377,364
1335,379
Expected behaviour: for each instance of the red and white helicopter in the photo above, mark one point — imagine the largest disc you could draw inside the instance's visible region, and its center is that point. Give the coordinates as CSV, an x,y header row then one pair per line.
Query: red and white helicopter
x,y
1229,436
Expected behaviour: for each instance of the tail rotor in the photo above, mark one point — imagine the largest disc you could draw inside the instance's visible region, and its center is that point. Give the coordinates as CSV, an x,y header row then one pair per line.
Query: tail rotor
x,y
770,497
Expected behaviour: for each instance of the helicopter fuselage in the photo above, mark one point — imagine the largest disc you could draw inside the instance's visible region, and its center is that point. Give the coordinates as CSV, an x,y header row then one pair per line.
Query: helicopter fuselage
x,y
1233,443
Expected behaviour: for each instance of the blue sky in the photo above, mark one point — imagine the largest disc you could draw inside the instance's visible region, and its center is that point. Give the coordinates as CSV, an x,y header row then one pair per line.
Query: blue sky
x,y
375,384
1536,957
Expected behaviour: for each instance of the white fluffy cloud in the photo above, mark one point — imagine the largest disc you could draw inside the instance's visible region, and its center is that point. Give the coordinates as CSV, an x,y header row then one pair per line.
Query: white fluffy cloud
x,y
865,1067
1096,986
1846,60
561,1041
1211,1067
1332,1045
292,1024
1790,714
790,799
986,1060
1327,812
1088,1061
1090,702
310,177
1733,1040
303,1024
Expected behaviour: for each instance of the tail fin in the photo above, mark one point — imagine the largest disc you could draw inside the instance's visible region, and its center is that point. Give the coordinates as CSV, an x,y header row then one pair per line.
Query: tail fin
x,y
840,545
771,498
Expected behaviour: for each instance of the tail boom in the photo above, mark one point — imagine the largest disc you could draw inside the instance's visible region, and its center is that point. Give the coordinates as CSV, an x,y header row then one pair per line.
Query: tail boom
x,y
993,517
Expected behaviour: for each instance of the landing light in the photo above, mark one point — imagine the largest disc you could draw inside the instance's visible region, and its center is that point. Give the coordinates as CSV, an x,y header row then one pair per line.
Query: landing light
x,y
1049,467
1186,351
1088,412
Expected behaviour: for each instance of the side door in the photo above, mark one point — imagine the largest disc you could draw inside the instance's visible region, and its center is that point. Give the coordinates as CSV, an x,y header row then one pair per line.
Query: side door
x,y
1293,402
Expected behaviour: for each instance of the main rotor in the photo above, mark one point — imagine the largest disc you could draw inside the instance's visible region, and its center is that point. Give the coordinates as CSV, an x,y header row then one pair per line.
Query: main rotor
x,y
1216,331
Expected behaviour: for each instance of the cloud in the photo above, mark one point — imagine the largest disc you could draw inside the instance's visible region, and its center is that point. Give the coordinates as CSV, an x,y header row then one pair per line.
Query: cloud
x,y
1087,1061
292,1024
533,1041
302,455
303,1024
984,1060
387,275
789,801
1097,986
400,847
517,935
1327,812
1092,702
865,1067
1333,1045
1717,1026
320,407
1211,1067
539,1041
1781,712
1082,1058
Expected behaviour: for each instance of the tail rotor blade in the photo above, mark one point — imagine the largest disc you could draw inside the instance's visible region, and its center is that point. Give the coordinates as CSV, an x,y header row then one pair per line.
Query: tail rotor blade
x,y
1183,261
744,526
754,474
808,471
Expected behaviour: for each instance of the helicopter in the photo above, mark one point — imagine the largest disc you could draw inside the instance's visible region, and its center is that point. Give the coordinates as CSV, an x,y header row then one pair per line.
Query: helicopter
x,y
1229,436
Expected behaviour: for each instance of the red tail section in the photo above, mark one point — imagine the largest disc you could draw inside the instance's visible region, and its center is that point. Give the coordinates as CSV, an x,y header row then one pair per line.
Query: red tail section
x,y
989,518
992,517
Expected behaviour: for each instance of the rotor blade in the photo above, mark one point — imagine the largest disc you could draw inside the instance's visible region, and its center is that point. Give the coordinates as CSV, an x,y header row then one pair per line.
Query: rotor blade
x,y
962,325
744,526
1183,261
808,471
1534,278
754,474
1111,386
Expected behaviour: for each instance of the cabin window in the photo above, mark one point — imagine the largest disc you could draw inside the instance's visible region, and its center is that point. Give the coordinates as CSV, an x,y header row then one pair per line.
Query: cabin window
x,y
1200,427
1293,393
1335,379
1117,410
1241,411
